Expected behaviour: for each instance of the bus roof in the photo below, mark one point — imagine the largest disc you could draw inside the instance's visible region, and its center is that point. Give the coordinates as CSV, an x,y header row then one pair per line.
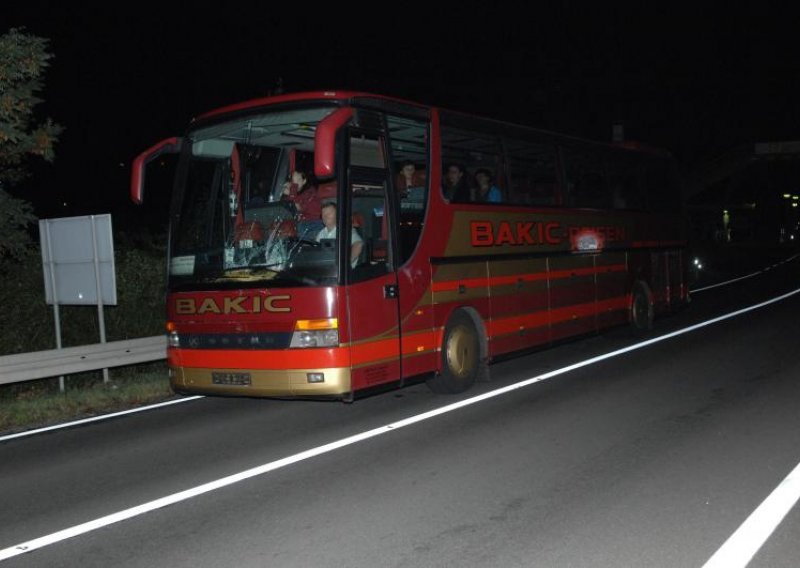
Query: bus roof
x,y
347,96
303,96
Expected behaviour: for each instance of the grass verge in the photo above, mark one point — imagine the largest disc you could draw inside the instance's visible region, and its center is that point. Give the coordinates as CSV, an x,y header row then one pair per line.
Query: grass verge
x,y
39,403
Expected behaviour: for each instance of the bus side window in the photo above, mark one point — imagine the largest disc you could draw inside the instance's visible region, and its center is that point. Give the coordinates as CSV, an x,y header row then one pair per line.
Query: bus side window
x,y
531,172
408,139
471,151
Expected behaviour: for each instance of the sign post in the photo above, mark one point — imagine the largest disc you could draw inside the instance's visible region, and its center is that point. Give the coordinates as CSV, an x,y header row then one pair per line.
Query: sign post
x,y
78,263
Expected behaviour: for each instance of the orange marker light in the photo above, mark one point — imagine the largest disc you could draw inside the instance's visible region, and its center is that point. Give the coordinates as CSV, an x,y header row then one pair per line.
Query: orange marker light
x,y
312,325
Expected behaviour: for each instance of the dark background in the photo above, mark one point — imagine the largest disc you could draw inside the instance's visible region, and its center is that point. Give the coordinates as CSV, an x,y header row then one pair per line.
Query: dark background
x,y
694,80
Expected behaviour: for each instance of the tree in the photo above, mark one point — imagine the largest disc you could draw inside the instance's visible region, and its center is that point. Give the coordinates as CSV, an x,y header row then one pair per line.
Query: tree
x,y
23,60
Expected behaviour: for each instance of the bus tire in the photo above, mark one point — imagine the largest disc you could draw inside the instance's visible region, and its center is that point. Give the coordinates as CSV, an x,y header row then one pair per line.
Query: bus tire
x,y
641,310
462,363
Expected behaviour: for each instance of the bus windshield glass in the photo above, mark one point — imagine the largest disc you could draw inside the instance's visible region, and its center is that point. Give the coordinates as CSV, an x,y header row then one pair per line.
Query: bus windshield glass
x,y
247,210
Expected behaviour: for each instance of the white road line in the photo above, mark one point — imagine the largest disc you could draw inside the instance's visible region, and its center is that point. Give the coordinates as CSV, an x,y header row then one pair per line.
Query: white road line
x,y
712,286
96,418
726,282
96,524
743,545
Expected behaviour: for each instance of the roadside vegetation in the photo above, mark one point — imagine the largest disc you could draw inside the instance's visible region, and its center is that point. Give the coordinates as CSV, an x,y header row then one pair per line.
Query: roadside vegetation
x,y
28,139
29,326
39,403
28,322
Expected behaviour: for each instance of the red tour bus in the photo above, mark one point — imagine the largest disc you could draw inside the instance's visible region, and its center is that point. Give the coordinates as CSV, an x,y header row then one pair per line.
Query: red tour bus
x,y
468,239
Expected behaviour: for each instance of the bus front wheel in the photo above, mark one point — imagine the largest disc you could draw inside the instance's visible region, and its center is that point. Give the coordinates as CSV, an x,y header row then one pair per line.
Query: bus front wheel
x,y
461,356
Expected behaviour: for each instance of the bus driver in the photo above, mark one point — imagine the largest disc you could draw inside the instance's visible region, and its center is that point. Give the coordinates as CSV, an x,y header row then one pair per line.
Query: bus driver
x,y
329,232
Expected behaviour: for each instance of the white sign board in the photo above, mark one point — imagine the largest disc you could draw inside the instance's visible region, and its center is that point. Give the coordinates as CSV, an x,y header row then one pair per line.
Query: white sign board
x,y
78,260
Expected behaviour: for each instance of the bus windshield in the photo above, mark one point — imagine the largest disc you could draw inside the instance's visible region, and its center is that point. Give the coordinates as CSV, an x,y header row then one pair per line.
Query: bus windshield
x,y
247,209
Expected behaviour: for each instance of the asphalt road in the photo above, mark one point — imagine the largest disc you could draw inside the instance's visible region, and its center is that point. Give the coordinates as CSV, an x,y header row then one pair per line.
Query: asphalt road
x,y
650,458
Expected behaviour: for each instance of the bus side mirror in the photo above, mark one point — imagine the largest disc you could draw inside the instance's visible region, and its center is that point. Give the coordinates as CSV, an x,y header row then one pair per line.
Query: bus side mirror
x,y
168,146
325,142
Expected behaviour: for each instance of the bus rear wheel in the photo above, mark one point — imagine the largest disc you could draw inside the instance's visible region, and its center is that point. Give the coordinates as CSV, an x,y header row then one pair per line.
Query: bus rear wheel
x,y
642,313
461,356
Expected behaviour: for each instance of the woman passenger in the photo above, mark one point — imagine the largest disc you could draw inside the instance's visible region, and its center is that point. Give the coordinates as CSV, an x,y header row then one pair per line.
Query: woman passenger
x,y
409,177
305,196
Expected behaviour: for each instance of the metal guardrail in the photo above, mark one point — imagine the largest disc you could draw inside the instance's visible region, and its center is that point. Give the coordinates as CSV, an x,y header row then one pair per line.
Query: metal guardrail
x,y
56,362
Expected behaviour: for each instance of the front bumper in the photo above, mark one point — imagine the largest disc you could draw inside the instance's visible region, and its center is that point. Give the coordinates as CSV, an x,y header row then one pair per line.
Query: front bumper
x,y
272,383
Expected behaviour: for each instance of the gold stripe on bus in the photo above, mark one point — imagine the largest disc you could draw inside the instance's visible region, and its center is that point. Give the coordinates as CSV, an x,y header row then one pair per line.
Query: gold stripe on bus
x,y
499,327
514,324
517,266
413,336
375,362
391,333
469,294
423,309
411,346
421,342
404,356
420,353
492,281
521,288
378,349
461,270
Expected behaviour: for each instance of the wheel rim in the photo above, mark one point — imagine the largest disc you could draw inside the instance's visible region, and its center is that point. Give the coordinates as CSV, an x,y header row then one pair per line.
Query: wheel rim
x,y
460,351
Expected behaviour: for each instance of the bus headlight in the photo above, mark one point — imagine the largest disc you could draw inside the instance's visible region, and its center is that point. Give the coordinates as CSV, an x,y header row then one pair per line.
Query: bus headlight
x,y
329,338
315,333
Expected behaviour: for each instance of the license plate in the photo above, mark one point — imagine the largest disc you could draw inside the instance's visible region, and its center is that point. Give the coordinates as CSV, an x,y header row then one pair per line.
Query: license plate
x,y
236,379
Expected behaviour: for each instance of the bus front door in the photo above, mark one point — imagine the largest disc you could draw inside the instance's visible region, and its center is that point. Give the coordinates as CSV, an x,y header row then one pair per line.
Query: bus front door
x,y
372,288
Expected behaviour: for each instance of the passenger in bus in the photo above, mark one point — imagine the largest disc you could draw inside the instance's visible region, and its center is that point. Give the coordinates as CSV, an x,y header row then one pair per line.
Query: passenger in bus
x,y
455,183
409,177
328,231
300,190
486,191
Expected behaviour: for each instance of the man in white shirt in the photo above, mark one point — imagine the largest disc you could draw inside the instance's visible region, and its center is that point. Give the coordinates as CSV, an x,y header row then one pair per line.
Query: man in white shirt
x,y
329,232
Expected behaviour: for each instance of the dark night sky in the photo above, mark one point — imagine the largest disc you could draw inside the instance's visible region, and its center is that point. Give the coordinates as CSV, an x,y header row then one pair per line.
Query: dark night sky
x,y
696,81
